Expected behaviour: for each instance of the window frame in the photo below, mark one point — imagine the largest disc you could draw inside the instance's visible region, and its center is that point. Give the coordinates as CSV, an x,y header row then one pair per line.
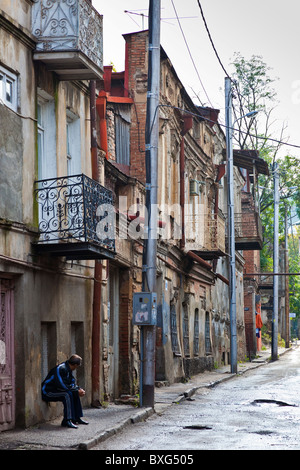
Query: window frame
x,y
73,143
122,134
13,79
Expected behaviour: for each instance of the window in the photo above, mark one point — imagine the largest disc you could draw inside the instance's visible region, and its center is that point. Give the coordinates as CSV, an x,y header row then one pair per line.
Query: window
x,y
174,336
73,144
46,147
196,333
185,327
8,88
207,334
122,131
46,137
40,139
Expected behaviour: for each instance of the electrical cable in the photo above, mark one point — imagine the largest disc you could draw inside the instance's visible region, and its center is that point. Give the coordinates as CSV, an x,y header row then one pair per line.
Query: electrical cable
x,y
191,56
216,52
210,38
16,113
222,125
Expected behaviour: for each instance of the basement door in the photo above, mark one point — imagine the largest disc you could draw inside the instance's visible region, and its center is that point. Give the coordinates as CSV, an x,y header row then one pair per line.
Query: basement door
x,y
113,334
7,386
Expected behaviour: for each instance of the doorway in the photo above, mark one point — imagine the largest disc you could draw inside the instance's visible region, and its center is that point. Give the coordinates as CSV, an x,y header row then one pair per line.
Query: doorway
x,y
113,333
7,385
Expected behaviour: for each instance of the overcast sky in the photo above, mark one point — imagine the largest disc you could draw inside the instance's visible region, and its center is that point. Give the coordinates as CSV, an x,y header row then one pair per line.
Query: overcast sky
x,y
269,28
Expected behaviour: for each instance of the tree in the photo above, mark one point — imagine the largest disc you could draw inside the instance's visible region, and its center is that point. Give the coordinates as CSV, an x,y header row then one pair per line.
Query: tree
x,y
294,264
253,91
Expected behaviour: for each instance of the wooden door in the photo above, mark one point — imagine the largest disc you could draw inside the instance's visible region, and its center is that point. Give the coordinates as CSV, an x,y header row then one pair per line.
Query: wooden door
x,y
7,386
113,334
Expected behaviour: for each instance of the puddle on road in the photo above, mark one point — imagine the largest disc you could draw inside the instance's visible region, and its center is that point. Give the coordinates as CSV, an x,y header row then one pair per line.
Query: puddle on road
x,y
265,401
263,433
200,427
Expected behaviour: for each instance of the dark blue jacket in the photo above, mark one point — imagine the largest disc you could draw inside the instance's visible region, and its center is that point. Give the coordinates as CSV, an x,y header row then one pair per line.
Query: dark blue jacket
x,y
59,378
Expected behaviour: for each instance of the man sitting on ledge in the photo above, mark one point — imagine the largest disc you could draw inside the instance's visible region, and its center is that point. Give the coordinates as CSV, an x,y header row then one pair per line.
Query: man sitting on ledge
x,y
60,385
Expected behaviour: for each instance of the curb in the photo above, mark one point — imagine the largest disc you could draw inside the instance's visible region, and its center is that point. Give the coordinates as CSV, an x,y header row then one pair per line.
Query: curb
x,y
141,415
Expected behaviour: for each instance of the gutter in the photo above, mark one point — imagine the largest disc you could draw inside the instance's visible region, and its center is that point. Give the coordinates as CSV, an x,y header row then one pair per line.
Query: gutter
x,y
96,321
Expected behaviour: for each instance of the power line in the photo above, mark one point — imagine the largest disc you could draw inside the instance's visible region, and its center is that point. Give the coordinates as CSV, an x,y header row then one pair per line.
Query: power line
x,y
210,38
186,111
216,52
190,54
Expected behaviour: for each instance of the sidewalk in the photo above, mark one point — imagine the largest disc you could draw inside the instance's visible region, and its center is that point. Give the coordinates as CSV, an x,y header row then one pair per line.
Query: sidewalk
x,y
105,422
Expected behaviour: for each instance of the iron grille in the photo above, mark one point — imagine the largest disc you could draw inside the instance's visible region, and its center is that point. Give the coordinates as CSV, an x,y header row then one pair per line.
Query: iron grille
x,y
174,336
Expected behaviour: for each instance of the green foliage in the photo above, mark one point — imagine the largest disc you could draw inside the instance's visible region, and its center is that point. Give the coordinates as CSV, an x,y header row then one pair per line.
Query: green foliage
x,y
294,267
254,91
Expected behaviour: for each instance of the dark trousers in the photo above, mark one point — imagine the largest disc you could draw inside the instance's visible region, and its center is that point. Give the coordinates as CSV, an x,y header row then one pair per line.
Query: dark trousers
x,y
70,400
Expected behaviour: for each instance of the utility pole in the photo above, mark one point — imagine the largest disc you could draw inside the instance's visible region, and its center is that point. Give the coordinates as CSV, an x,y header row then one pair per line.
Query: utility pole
x,y
287,285
275,264
148,333
231,234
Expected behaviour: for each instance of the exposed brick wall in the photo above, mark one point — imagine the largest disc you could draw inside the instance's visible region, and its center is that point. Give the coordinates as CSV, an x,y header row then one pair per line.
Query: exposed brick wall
x,y
137,76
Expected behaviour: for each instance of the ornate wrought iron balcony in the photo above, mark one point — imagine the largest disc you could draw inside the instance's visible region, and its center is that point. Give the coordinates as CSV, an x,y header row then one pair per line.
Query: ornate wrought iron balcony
x,y
69,37
76,218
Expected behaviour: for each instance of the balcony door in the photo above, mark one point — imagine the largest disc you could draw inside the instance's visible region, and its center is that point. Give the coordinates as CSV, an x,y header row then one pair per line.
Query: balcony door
x,y
73,196
47,167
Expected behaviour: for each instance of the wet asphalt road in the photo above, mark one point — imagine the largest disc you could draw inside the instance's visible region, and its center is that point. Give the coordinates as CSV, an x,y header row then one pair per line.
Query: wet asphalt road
x,y
259,410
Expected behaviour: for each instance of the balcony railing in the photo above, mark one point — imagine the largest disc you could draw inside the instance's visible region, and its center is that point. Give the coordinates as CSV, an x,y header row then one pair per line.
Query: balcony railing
x,y
205,234
76,218
248,231
69,36
215,235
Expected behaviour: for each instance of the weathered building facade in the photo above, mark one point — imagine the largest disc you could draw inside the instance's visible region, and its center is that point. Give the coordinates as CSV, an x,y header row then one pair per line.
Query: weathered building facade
x,y
250,240
72,214
47,245
192,267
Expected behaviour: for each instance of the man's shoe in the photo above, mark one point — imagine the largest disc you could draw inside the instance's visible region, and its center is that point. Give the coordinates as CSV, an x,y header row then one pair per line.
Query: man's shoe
x,y
81,421
68,424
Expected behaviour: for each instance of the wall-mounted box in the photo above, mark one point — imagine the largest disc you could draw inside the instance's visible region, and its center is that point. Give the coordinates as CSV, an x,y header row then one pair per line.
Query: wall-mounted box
x,y
144,308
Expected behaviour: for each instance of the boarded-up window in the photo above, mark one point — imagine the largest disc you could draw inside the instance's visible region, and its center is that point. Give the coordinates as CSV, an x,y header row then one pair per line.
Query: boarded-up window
x,y
77,347
49,347
122,134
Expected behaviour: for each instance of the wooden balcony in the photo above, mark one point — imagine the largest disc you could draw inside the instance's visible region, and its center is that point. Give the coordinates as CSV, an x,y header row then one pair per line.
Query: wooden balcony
x,y
76,218
69,38
207,238
248,231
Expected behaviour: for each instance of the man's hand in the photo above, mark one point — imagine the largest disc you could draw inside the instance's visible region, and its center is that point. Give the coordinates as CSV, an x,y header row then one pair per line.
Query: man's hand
x,y
81,392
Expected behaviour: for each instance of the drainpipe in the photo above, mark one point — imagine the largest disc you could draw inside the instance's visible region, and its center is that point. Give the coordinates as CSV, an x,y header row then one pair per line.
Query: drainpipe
x,y
96,320
101,108
199,260
187,125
